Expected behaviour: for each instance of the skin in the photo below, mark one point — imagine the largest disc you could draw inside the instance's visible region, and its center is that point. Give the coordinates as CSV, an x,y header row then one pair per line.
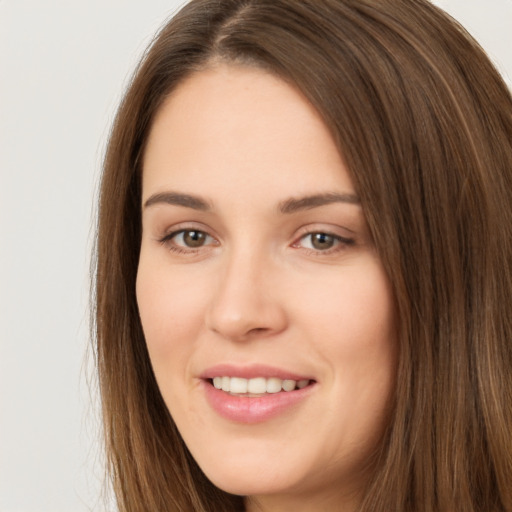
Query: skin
x,y
257,289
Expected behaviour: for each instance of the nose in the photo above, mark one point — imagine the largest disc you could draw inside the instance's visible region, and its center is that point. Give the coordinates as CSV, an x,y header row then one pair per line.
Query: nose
x,y
247,302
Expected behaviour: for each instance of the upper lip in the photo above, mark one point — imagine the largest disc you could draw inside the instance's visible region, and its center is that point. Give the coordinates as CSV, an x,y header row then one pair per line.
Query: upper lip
x,y
252,371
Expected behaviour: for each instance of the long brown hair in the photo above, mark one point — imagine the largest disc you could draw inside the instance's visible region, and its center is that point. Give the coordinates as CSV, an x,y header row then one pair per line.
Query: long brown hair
x,y
424,123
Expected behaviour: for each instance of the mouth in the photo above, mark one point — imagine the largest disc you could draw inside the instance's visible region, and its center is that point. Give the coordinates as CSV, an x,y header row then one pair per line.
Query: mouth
x,y
257,386
255,394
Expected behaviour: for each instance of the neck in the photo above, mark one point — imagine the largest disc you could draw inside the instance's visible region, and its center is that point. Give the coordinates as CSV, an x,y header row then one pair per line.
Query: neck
x,y
301,503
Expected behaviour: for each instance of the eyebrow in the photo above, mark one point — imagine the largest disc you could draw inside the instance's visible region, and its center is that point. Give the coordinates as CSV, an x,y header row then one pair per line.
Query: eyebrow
x,y
178,199
288,206
293,205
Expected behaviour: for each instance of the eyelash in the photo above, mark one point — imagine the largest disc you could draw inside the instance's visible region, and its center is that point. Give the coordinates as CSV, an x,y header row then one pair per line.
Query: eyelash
x,y
167,241
340,243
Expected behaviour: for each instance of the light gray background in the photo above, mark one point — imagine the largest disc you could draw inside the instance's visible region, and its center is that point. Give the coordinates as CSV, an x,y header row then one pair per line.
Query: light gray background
x,y
63,66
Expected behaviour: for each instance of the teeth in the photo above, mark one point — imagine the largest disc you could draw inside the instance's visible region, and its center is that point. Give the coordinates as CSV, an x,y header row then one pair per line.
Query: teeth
x,y
289,385
237,385
258,385
273,385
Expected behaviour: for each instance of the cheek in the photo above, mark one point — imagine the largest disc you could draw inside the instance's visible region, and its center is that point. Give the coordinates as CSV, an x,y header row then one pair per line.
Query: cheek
x,y
352,313
171,312
352,327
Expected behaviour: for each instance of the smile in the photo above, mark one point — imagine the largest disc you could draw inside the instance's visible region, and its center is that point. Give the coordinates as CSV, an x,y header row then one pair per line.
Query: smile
x,y
255,394
257,386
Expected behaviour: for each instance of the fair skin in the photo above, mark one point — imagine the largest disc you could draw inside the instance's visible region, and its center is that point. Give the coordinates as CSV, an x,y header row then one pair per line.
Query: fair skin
x,y
239,275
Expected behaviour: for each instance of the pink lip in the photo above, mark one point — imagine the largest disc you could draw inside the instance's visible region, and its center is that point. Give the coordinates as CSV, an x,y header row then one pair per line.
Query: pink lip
x,y
250,372
243,409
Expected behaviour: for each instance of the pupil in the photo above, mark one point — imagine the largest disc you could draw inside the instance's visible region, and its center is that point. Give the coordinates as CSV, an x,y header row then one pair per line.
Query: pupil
x,y
322,241
194,238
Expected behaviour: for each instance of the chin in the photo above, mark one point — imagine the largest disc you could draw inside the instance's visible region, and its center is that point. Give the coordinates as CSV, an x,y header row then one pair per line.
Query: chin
x,y
246,471
255,484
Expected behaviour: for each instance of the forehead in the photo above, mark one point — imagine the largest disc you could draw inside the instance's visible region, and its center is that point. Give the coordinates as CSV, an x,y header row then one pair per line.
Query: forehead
x,y
234,128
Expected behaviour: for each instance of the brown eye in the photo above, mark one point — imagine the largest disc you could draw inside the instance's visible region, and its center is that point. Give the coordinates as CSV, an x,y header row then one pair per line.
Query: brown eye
x,y
187,239
322,241
194,239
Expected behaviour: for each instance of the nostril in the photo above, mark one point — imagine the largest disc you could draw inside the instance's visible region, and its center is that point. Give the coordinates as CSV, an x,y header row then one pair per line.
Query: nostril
x,y
258,330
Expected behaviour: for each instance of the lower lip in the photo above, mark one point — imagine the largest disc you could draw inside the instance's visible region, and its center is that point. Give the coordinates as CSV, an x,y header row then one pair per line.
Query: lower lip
x,y
244,409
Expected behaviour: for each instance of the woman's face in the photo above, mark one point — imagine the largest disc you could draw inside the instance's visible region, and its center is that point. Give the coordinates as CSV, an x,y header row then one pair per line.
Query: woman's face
x,y
258,276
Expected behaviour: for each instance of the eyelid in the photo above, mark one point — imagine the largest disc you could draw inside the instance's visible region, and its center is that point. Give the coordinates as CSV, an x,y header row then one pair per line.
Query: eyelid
x,y
167,238
173,229
328,229
342,241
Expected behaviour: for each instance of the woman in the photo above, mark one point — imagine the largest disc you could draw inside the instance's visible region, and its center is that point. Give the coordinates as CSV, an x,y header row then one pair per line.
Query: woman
x,y
304,264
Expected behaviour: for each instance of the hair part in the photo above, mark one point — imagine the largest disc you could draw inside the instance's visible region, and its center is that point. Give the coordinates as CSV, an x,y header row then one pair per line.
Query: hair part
x,y
424,124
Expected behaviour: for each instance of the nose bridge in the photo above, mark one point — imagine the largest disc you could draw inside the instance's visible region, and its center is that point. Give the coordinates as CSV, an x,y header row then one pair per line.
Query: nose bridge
x,y
245,301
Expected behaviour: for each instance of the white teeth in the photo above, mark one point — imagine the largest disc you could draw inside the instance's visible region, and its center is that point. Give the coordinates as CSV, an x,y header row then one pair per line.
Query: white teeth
x,y
258,385
274,385
238,385
289,385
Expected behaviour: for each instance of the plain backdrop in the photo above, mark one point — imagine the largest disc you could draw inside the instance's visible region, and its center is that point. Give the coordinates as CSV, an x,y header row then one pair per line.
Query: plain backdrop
x,y
63,67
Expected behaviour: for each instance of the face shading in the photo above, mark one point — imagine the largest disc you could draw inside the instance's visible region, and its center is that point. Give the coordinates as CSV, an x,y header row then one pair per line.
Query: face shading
x,y
267,314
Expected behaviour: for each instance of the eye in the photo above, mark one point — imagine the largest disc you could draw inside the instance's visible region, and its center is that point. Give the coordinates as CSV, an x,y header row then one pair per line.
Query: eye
x,y
323,242
191,238
187,239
